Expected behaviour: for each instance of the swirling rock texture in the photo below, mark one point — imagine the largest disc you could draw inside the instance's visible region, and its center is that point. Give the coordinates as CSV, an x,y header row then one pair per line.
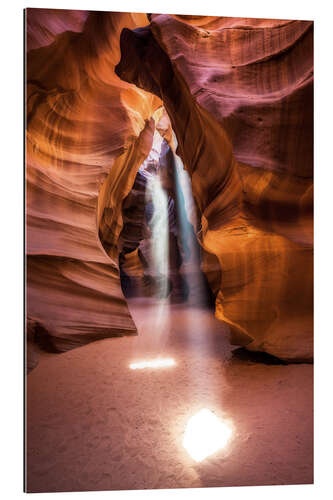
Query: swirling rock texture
x,y
87,132
238,93
239,96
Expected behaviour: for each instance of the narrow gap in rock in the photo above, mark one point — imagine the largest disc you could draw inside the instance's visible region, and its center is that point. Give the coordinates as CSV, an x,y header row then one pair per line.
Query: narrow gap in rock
x,y
159,255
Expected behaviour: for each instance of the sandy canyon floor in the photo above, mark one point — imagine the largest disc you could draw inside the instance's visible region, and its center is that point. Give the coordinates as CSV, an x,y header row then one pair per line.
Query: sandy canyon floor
x,y
95,424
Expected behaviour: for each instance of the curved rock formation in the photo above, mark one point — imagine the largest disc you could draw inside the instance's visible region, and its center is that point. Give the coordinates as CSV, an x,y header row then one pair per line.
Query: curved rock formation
x,y
239,96
87,134
43,25
238,93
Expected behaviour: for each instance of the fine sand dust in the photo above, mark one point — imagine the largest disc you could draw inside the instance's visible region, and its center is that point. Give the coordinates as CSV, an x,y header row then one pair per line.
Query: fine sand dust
x,y
94,424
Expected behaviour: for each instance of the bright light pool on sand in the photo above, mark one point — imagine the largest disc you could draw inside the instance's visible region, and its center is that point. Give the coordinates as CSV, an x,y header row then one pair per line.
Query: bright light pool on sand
x,y
154,363
205,434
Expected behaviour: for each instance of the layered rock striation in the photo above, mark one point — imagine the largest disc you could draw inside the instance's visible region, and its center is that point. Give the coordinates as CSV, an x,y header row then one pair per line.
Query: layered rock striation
x,y
87,132
239,96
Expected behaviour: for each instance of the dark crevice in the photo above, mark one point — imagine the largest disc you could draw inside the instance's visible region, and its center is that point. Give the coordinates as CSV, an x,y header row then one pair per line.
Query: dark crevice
x,y
242,354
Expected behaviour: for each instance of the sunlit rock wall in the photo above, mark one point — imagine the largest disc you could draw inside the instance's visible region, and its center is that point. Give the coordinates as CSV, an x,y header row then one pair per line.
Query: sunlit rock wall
x,y
87,133
239,96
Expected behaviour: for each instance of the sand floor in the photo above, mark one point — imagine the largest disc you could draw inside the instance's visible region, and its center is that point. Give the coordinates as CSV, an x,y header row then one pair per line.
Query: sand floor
x,y
95,424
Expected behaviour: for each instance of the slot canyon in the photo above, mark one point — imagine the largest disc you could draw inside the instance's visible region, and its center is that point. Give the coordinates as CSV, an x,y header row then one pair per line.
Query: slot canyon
x,y
169,249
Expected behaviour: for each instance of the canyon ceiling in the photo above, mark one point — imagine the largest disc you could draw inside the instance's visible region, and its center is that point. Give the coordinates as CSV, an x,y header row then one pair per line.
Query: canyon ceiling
x,y
239,95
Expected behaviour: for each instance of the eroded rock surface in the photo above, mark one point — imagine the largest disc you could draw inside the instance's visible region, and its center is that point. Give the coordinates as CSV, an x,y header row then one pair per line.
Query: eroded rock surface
x,y
239,96
87,134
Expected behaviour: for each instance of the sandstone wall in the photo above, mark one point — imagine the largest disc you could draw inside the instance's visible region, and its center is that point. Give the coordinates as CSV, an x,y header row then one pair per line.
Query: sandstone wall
x,y
87,133
239,96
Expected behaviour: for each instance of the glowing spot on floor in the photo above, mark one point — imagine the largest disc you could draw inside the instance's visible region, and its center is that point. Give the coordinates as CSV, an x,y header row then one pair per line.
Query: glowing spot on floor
x,y
205,434
154,363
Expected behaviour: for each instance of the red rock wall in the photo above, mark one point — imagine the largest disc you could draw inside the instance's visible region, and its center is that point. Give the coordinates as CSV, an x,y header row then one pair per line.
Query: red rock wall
x,y
87,133
239,96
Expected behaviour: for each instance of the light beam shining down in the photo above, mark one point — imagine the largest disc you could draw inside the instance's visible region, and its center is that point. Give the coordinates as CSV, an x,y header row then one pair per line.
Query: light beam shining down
x,y
205,434
160,232
154,363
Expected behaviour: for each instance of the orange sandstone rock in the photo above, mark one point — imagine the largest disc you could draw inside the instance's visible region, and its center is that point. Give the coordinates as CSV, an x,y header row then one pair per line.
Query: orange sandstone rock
x,y
87,133
239,96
